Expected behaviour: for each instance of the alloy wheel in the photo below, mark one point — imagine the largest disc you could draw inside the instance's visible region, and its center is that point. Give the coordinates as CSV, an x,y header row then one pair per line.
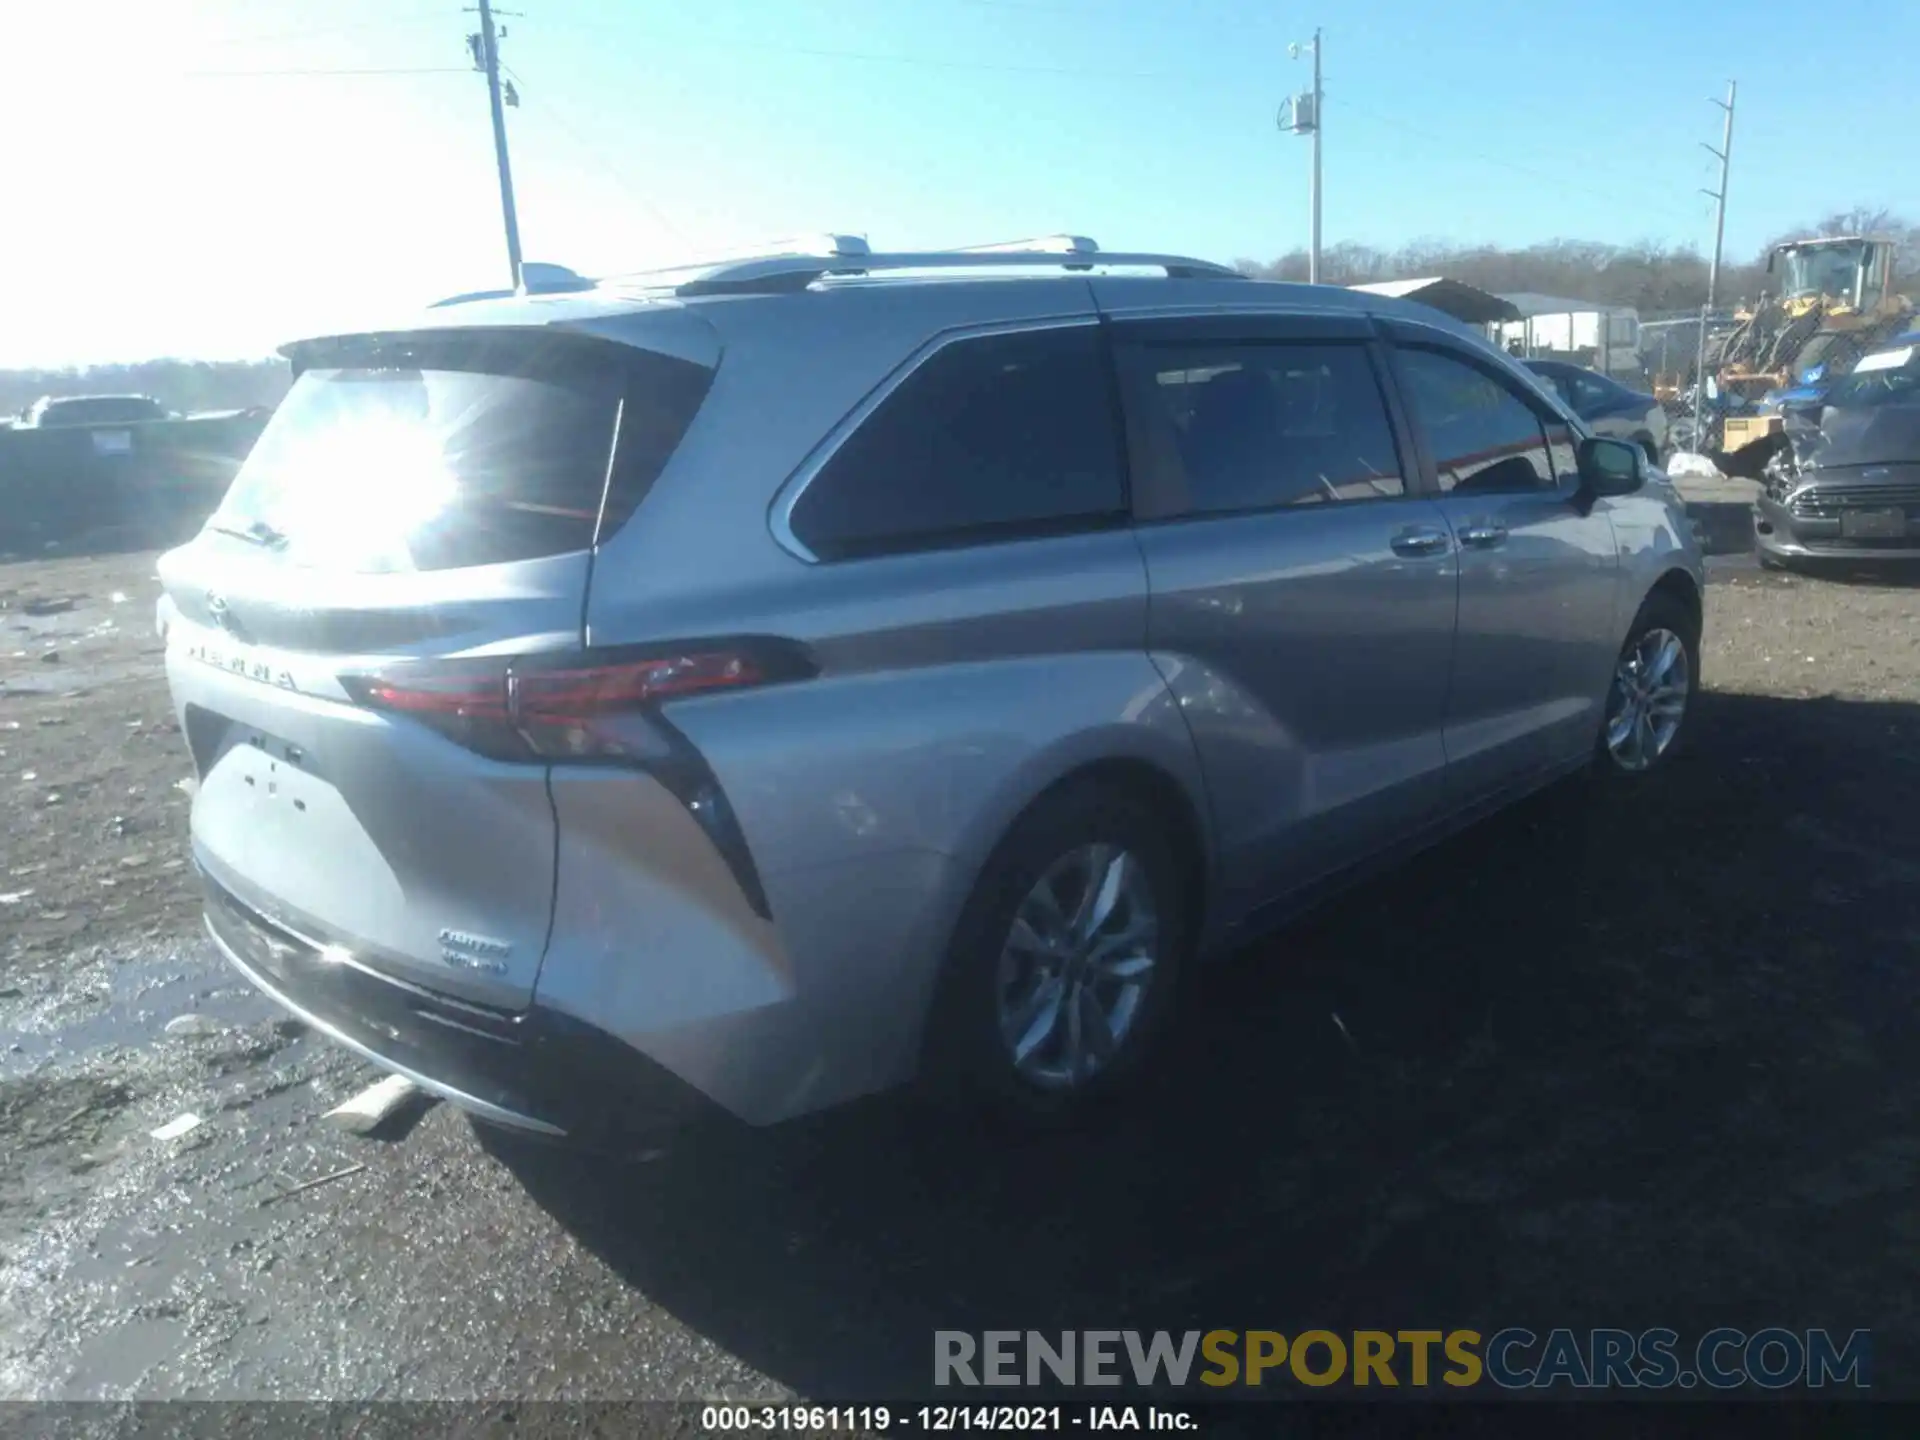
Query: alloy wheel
x,y
1076,966
1648,700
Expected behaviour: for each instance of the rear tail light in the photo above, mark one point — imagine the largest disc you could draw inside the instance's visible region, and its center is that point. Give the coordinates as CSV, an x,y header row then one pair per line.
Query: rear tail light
x,y
573,706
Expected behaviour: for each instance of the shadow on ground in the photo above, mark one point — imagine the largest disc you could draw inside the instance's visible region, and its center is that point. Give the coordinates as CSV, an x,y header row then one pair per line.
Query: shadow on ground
x,y
1641,1062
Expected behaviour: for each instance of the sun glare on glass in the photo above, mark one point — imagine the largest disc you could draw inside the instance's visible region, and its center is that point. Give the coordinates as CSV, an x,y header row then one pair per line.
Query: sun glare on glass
x,y
363,486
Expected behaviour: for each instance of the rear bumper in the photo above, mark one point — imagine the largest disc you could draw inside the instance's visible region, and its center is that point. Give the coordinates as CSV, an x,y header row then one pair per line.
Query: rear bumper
x,y
1778,533
533,1070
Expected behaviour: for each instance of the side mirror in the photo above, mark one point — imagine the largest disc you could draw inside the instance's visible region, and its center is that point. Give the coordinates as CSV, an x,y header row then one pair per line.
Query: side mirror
x,y
1610,467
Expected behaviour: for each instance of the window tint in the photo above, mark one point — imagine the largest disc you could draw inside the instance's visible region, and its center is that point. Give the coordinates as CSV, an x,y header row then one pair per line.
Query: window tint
x,y
1256,427
1004,435
1485,439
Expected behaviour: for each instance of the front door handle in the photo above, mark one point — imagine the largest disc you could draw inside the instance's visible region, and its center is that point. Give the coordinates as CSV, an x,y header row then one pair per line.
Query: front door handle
x,y
1418,540
1483,536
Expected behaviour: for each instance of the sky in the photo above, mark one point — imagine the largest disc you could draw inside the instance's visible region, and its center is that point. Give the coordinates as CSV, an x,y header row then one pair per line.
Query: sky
x,y
169,193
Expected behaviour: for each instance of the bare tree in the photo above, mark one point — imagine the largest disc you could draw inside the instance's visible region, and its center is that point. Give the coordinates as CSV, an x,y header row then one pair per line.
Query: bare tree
x,y
1653,278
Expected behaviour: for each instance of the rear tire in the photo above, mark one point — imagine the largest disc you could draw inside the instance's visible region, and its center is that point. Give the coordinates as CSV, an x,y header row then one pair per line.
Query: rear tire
x,y
1650,701
1044,1018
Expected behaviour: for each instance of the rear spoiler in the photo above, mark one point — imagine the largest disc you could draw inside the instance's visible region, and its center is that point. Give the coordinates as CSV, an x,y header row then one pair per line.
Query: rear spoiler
x,y
531,349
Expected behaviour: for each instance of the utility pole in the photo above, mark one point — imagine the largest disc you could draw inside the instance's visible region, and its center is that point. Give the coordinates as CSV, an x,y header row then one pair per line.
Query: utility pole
x,y
486,54
1302,117
1725,155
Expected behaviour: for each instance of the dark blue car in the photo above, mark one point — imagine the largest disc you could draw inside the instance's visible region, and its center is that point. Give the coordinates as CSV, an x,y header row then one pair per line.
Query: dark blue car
x,y
1607,406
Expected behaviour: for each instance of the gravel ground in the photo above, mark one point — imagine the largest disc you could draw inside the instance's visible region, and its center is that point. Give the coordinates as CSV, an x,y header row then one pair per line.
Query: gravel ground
x,y
1602,1061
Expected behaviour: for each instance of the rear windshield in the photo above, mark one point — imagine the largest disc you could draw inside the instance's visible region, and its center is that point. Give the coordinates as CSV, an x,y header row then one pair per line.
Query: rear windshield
x,y
384,467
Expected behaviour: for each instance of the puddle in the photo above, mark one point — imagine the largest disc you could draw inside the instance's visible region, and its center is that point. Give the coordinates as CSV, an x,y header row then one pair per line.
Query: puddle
x,y
132,997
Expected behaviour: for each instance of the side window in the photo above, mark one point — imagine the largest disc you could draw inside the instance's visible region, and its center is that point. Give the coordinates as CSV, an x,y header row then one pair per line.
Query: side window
x,y
1485,439
1588,394
996,437
1259,427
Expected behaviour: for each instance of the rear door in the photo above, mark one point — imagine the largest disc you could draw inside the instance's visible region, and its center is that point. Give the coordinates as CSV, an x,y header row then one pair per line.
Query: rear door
x,y
420,510
1538,569
1301,586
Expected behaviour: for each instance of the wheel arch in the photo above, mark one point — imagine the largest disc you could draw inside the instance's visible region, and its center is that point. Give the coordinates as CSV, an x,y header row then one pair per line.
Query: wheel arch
x,y
1679,586
1159,769
1144,763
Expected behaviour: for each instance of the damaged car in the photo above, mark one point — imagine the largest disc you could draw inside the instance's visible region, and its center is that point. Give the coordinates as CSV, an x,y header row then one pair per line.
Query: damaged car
x,y
1845,485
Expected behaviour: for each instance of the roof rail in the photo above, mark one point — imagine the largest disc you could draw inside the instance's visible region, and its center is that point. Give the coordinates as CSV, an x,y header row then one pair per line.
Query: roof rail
x,y
1044,245
798,249
796,270
536,278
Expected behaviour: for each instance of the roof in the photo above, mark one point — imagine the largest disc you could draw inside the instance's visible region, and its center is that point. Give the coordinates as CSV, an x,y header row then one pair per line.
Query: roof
x,y
1528,303
667,304
1452,297
1877,237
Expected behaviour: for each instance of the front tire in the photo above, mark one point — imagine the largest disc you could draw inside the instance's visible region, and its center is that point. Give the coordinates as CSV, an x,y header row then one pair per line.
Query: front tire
x,y
1068,958
1656,681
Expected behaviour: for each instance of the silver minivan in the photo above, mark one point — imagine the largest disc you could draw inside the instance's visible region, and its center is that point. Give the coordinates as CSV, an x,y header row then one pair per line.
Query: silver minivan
x,y
748,687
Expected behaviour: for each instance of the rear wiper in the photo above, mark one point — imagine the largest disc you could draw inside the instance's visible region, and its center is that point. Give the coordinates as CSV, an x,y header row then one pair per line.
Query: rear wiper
x,y
259,532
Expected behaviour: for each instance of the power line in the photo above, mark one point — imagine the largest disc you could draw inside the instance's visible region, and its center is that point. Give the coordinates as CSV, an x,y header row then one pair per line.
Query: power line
x,y
592,152
393,70
387,22
1083,12
823,52
1547,176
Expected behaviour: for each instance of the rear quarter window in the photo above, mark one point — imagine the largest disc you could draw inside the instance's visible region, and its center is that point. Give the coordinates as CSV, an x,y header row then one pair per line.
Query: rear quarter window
x,y
992,437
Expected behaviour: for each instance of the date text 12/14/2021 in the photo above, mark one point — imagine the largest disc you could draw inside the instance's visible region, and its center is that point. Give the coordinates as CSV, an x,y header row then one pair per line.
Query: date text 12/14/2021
x,y
942,1419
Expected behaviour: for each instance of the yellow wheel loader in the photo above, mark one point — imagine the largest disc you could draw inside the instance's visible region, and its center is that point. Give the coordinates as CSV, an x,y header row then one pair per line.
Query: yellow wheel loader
x,y
1836,301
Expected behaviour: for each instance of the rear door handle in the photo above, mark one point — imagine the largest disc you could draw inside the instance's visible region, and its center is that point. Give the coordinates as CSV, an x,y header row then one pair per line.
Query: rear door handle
x,y
1418,540
1483,536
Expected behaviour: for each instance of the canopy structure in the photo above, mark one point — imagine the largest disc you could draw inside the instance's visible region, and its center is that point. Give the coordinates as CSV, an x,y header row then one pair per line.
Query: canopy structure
x,y
1464,302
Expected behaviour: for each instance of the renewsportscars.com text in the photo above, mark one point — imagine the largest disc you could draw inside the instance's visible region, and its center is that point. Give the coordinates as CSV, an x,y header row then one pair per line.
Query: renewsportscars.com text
x,y
1510,1359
